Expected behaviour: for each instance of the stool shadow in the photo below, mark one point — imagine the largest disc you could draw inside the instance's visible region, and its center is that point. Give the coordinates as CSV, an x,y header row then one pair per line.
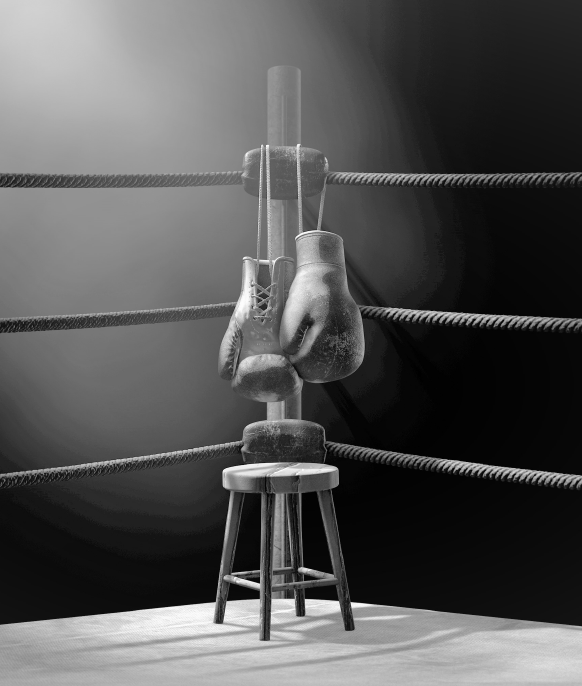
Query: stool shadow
x,y
382,629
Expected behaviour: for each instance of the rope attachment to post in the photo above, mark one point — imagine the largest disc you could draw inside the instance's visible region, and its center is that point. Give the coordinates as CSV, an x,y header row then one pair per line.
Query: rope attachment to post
x,y
285,182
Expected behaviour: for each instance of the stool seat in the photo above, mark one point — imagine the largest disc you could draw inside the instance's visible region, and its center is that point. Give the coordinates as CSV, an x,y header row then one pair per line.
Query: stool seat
x,y
280,477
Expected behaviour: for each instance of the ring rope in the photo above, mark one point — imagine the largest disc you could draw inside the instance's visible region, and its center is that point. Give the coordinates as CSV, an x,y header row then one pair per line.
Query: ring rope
x,y
228,178
395,314
34,477
503,180
528,477
500,322
234,178
99,320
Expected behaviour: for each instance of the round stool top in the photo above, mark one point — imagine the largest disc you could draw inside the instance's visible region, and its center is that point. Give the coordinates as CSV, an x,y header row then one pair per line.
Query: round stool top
x,y
280,477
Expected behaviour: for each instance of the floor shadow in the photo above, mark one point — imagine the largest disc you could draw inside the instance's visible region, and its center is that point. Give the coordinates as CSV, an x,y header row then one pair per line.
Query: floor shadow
x,y
381,629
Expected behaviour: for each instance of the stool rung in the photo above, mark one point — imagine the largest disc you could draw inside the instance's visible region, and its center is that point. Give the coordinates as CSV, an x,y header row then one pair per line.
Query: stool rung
x,y
315,573
257,572
305,584
242,582
328,580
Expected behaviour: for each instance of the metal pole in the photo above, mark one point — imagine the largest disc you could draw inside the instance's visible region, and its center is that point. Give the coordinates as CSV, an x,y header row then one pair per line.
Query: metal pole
x,y
284,128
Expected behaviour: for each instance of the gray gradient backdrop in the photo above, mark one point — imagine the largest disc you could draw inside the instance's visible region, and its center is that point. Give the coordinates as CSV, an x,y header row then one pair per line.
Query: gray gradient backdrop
x,y
140,86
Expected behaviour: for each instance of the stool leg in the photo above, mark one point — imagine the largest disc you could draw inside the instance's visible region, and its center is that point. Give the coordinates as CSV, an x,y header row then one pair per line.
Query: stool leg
x,y
333,541
296,549
230,535
267,516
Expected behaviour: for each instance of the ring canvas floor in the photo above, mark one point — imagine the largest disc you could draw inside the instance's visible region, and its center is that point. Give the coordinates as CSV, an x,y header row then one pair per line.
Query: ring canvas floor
x,y
390,645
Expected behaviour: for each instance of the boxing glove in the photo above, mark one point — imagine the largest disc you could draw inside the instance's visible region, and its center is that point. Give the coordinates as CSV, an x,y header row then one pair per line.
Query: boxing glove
x,y
250,355
321,328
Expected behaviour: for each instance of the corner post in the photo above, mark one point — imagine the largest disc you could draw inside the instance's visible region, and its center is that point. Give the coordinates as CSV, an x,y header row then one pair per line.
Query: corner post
x,y
284,128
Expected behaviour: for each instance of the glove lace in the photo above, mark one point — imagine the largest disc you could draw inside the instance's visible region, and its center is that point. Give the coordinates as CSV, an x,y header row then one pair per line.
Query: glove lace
x,y
261,302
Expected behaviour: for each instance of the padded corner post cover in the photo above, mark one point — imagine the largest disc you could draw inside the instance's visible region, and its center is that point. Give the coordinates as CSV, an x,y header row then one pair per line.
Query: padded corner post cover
x,y
283,164
283,440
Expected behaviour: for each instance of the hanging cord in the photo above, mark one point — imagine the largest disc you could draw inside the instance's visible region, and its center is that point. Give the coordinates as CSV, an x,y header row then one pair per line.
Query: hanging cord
x,y
299,190
269,228
261,298
322,200
300,195
260,220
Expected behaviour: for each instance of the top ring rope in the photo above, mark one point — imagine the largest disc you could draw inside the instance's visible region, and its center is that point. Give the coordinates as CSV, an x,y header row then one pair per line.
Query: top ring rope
x,y
228,178
504,180
234,178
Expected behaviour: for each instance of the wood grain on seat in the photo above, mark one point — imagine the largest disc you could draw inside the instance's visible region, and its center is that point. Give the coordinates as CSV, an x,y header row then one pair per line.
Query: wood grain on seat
x,y
281,477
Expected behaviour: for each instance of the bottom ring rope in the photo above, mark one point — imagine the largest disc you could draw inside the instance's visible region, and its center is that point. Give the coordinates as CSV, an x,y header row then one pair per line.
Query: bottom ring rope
x,y
528,477
129,464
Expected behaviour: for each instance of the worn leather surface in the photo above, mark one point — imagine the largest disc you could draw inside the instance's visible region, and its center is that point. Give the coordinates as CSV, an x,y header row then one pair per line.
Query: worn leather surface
x,y
321,328
283,440
250,354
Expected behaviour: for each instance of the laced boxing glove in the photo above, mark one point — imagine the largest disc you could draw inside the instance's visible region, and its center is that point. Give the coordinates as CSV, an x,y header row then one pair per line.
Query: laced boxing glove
x,y
250,354
321,328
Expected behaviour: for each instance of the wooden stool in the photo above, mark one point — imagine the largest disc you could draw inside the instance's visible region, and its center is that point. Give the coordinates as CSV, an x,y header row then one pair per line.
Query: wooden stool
x,y
291,479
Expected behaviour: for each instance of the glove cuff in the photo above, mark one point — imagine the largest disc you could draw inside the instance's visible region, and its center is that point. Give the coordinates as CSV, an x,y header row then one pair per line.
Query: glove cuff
x,y
319,247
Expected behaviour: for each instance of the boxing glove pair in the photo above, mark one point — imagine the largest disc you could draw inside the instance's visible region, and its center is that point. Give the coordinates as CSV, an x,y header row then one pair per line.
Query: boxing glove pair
x,y
279,336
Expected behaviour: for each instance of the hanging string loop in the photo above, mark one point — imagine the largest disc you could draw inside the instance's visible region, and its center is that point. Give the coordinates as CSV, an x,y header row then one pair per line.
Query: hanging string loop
x,y
299,193
261,297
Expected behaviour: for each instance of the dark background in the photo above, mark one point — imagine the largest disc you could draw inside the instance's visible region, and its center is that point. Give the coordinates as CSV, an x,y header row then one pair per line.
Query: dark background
x,y
401,85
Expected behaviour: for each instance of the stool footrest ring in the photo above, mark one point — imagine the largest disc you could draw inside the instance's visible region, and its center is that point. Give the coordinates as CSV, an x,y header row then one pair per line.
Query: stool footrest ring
x,y
257,572
310,583
321,579
242,582
315,573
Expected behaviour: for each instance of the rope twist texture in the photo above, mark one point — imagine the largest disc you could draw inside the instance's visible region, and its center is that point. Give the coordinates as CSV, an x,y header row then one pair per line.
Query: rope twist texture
x,y
104,319
234,178
395,314
130,464
229,178
507,322
505,180
528,477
